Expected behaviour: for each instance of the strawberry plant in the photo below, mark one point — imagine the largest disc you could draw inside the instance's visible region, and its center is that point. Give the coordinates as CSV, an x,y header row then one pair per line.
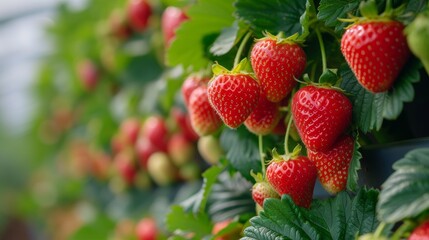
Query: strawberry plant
x,y
181,119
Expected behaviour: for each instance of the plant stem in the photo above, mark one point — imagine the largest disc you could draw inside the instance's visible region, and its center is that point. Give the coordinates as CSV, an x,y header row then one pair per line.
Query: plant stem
x,y
241,47
388,6
322,49
402,229
379,230
289,124
261,154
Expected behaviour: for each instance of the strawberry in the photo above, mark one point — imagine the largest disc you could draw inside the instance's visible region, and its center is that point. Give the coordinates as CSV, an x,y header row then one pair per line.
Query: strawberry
x,y
118,24
293,175
180,149
277,62
130,129
321,115
139,12
333,165
183,122
88,74
160,169
376,51
232,234
210,149
190,84
124,163
204,118
233,94
146,229
156,130
172,17
421,232
264,117
144,149
261,191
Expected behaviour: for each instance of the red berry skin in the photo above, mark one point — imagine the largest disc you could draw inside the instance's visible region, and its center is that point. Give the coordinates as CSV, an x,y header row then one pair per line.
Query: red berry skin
x,y
232,235
234,97
146,229
156,131
130,130
295,177
261,191
124,164
144,149
88,74
190,84
180,149
321,115
376,51
276,65
172,17
264,117
119,27
183,122
204,119
333,165
421,232
139,12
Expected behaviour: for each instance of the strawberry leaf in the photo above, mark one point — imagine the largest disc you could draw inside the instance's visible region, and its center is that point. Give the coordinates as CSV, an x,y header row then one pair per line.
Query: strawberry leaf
x,y
179,220
352,180
402,91
405,192
271,15
367,107
227,39
207,17
241,149
331,10
342,217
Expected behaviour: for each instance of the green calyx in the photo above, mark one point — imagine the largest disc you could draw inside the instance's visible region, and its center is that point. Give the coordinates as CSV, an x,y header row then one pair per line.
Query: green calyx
x,y
417,34
280,38
369,12
257,176
244,67
286,157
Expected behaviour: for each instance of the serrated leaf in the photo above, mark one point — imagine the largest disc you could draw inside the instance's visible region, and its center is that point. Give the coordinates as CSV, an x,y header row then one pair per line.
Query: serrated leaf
x,y
227,39
367,107
98,229
306,18
402,90
241,149
207,17
352,180
341,217
230,197
198,224
331,10
271,15
405,192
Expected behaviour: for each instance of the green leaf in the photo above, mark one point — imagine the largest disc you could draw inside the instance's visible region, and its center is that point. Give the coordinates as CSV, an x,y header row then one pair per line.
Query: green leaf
x,y
405,192
179,220
100,228
367,107
227,39
230,197
198,201
352,180
331,10
402,91
207,17
307,17
271,15
342,217
241,149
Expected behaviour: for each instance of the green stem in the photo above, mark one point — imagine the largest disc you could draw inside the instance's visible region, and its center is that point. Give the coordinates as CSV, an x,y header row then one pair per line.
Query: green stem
x,y
322,49
379,230
407,225
261,154
241,47
289,124
388,6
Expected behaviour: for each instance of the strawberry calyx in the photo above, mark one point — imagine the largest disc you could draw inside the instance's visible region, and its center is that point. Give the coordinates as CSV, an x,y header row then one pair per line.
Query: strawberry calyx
x,y
244,67
288,156
369,12
280,38
257,176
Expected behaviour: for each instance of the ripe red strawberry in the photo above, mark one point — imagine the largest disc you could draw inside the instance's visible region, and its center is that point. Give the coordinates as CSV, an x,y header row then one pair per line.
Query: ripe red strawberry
x,y
183,122
233,96
295,176
421,232
190,84
264,117
261,191
172,17
139,12
124,163
118,24
156,130
333,165
130,129
146,229
180,149
88,74
276,65
376,52
321,115
204,118
144,149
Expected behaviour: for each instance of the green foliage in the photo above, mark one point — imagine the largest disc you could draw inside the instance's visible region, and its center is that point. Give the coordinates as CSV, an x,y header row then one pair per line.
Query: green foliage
x,y
404,194
241,149
207,17
179,220
99,228
331,10
272,16
352,180
342,217
227,39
